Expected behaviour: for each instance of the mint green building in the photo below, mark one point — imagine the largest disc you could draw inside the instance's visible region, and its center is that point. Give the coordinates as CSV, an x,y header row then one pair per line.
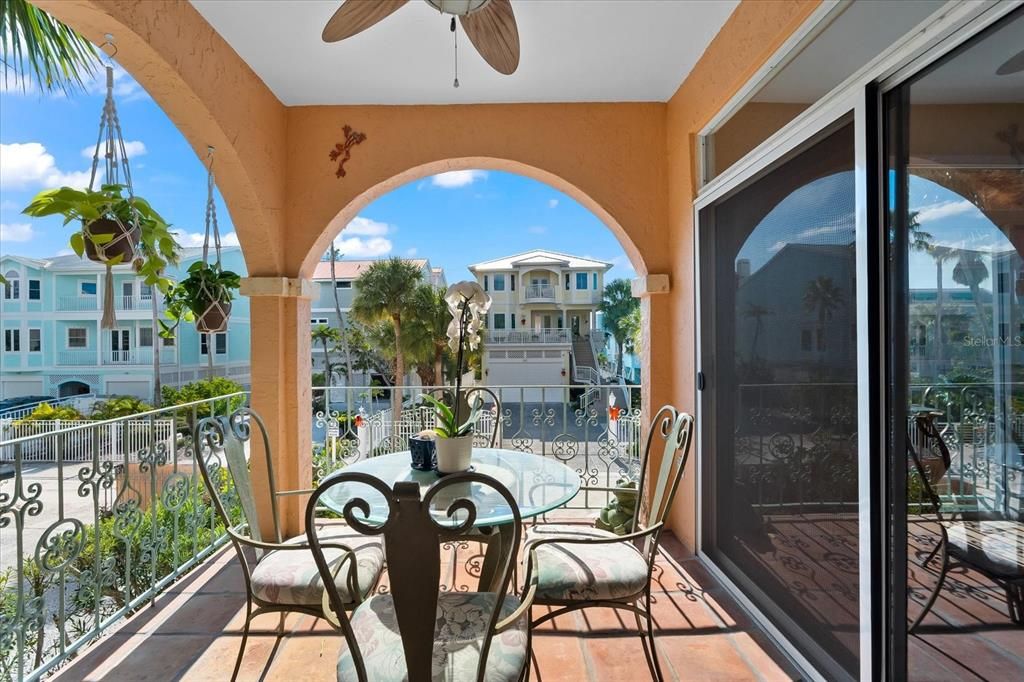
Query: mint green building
x,y
52,343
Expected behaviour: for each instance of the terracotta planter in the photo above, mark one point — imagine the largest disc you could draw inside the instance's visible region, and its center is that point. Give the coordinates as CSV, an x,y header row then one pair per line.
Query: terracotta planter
x,y
454,454
123,246
215,318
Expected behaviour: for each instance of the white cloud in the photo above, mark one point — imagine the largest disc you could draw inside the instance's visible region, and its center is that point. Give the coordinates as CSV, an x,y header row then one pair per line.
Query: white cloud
x,y
132,148
196,238
412,251
552,203
944,209
65,252
536,229
459,178
357,247
365,227
30,165
15,232
8,205
126,88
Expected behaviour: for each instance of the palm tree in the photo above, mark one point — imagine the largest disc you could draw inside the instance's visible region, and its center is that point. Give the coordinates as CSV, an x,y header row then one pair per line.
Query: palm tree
x,y
324,335
823,297
386,291
334,254
37,48
428,330
970,271
616,304
757,312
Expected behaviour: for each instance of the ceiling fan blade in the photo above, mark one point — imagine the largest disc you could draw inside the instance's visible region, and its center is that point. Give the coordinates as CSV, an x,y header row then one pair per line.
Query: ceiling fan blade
x,y
493,32
1014,64
355,16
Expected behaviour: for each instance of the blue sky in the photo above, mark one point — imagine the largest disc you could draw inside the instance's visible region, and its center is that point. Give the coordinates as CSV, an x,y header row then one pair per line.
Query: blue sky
x,y
469,216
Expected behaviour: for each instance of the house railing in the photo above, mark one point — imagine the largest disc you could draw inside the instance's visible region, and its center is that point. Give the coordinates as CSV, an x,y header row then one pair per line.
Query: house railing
x,y
540,292
29,408
96,519
528,336
72,358
599,343
77,303
562,422
795,444
131,356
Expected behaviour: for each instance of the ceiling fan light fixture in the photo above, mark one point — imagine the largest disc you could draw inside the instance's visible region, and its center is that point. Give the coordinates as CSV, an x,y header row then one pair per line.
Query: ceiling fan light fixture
x,y
457,7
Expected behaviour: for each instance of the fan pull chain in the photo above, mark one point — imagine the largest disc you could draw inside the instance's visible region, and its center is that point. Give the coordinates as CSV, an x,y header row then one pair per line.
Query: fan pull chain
x,y
455,38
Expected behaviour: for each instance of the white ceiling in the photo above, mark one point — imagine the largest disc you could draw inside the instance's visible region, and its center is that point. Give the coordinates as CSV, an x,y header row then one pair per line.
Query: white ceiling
x,y
571,51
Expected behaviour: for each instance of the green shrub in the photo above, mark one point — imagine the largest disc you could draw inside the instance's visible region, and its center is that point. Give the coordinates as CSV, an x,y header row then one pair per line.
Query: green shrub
x,y
119,406
45,413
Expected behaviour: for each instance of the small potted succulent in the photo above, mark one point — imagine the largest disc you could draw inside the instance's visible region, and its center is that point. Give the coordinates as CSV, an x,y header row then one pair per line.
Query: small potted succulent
x,y
204,296
114,227
468,303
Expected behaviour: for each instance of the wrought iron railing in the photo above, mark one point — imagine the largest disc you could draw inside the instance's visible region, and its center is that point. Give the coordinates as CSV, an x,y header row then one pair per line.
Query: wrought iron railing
x,y
95,520
601,443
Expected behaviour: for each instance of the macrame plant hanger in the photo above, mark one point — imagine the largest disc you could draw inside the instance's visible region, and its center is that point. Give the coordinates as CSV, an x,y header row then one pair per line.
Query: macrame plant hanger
x,y
215,298
126,237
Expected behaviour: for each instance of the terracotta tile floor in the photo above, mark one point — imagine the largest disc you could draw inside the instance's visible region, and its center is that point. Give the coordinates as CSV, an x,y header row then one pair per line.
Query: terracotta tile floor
x,y
194,631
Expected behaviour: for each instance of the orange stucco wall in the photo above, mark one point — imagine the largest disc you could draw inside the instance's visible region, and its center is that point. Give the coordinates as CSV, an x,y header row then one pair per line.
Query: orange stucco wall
x,y
631,164
753,32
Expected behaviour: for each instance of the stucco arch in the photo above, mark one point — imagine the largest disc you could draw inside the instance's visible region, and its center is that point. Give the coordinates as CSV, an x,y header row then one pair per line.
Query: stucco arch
x,y
212,97
337,224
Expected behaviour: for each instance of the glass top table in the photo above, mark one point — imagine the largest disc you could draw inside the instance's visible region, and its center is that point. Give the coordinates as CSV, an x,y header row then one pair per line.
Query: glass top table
x,y
537,483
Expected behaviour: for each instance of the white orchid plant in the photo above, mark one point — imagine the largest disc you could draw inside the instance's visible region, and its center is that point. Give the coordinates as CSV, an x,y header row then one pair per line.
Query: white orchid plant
x,y
468,303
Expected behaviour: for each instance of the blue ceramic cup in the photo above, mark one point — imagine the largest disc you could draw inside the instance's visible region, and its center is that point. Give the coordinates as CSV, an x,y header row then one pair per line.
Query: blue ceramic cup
x,y
423,453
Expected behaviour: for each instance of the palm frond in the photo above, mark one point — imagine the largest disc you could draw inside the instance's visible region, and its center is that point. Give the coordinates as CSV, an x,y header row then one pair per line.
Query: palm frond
x,y
35,47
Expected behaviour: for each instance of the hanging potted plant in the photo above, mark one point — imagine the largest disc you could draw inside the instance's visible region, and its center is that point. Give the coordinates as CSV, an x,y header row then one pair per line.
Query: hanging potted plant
x,y
468,303
204,296
113,227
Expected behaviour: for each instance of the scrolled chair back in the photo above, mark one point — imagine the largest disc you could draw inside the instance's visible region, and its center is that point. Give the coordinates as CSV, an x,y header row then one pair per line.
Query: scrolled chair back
x,y
413,523
673,431
220,447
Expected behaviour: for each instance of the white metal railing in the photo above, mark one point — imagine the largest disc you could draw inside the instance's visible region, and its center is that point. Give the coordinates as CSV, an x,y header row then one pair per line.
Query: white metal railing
x,y
599,343
132,436
540,292
586,375
76,357
29,408
529,336
139,302
78,303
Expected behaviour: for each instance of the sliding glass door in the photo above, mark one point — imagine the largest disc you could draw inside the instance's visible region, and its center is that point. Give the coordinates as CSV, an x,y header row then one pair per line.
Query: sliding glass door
x,y
955,170
778,313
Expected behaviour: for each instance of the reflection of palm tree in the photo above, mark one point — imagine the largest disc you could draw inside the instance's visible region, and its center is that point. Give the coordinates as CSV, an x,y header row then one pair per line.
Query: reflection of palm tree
x,y
940,254
757,312
824,297
970,271
919,239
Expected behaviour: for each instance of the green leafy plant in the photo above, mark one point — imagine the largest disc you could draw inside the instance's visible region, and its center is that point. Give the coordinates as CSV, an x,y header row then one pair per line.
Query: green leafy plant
x,y
118,406
87,206
45,413
448,425
188,299
40,50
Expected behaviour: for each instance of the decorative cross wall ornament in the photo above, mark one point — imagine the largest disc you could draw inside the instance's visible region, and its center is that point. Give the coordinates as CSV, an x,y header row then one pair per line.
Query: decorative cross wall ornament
x,y
343,150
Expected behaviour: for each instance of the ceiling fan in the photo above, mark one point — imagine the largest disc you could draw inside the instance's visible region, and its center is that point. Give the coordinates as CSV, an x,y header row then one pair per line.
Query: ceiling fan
x,y
490,25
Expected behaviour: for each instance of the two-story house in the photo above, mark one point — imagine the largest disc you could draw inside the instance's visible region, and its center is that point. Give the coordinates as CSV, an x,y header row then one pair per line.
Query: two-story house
x,y
544,306
53,344
346,274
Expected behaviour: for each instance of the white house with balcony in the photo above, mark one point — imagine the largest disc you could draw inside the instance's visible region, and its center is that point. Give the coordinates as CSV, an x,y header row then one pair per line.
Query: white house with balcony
x,y
53,345
544,308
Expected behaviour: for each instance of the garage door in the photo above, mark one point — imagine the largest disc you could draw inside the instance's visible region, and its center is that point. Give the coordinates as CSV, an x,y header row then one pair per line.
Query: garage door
x,y
13,388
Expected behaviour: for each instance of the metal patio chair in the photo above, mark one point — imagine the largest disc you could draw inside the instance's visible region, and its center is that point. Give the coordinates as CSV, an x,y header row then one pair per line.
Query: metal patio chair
x,y
281,574
418,632
580,567
985,541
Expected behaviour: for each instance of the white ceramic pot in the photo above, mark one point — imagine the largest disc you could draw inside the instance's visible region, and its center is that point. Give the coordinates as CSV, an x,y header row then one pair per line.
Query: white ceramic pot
x,y
454,454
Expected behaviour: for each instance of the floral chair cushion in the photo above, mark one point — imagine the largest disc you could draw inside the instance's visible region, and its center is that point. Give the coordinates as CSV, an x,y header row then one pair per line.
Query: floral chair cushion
x,y
291,576
995,546
572,572
462,619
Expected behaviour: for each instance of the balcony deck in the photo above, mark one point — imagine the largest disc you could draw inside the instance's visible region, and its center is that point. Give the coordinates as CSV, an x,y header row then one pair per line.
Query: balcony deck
x,y
193,633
